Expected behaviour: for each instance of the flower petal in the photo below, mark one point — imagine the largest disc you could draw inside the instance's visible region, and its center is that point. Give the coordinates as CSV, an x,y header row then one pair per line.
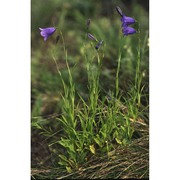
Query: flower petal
x,y
127,20
46,32
98,45
128,30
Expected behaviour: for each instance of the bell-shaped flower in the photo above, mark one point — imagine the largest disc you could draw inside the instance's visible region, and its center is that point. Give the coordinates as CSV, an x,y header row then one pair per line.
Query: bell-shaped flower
x,y
127,21
46,32
128,30
99,44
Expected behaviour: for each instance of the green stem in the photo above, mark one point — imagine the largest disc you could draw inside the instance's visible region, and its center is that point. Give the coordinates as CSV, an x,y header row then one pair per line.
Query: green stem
x,y
118,66
54,59
138,75
117,74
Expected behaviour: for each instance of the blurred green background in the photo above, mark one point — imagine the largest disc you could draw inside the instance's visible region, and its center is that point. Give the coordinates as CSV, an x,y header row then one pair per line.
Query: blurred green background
x,y
70,16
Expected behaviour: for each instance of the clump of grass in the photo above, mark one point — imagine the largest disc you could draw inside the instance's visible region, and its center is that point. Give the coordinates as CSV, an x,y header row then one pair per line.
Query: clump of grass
x,y
101,125
123,162
93,126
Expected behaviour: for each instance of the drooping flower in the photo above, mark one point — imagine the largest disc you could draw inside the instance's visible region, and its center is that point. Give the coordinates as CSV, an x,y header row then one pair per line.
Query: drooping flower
x,y
46,32
90,36
128,30
99,44
126,21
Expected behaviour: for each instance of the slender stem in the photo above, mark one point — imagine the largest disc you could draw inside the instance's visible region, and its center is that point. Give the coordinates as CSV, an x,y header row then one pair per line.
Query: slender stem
x,y
117,74
54,59
138,75
63,42
118,66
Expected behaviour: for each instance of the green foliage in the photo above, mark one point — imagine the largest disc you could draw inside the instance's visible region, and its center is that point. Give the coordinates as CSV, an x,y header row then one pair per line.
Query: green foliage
x,y
98,95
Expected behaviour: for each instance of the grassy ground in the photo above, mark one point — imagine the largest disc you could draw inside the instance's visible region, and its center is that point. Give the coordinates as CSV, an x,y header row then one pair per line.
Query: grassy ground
x,y
113,122
131,161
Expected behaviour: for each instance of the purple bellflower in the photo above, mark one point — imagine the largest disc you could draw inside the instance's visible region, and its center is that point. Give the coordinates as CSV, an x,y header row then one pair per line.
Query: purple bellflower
x,y
126,21
99,44
128,30
46,32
